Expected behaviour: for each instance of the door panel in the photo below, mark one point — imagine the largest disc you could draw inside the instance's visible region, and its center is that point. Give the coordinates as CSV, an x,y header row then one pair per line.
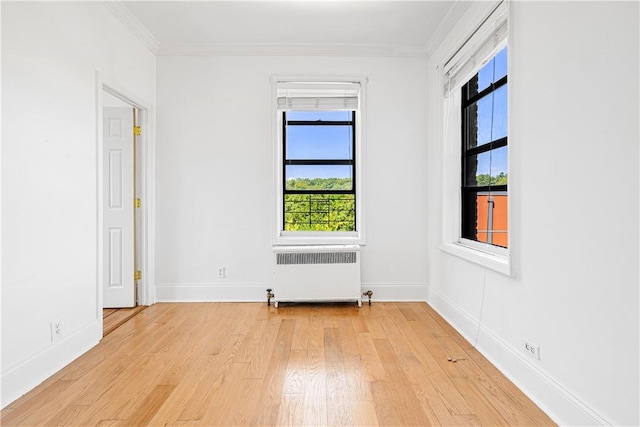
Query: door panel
x,y
114,175
119,283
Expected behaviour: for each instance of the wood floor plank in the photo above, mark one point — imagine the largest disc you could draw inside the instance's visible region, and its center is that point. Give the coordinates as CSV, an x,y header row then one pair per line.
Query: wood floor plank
x,y
291,410
438,397
113,318
503,401
250,345
502,383
109,423
407,409
295,375
210,379
69,415
150,405
275,375
258,364
364,413
48,393
223,402
301,334
338,404
245,402
315,396
360,323
235,364
481,407
106,312
366,348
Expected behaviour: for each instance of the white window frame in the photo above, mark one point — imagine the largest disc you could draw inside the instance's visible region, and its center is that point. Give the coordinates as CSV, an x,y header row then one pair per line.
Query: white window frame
x,y
474,49
282,237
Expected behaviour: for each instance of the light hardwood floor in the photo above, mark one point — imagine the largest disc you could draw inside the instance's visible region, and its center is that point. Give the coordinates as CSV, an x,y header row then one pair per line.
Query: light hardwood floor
x,y
230,364
113,318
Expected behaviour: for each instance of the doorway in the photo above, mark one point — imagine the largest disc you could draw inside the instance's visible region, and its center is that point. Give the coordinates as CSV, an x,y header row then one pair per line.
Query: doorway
x,y
122,247
141,221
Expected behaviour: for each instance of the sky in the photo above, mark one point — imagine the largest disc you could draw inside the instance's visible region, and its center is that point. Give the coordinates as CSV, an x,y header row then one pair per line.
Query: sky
x,y
319,142
492,116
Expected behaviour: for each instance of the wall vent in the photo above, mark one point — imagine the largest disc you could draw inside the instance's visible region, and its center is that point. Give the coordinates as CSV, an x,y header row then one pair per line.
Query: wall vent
x,y
300,258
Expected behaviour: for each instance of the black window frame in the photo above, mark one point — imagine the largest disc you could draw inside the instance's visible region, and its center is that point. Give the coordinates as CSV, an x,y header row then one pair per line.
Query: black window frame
x,y
318,162
469,193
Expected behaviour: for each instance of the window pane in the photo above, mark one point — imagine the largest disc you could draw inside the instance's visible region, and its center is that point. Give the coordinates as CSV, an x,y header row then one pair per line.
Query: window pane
x,y
313,116
319,177
493,71
319,212
492,218
478,169
500,69
319,142
488,168
499,166
486,215
486,119
485,76
499,117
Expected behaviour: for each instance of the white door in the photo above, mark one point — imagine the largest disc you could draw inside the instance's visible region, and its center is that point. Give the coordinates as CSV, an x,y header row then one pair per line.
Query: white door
x,y
118,140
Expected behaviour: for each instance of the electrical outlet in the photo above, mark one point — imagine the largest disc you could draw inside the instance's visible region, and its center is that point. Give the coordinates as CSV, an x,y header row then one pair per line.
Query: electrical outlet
x,y
220,272
531,349
56,330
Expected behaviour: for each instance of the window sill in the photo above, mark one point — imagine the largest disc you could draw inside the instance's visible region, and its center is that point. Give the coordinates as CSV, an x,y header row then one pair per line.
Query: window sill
x,y
318,238
499,263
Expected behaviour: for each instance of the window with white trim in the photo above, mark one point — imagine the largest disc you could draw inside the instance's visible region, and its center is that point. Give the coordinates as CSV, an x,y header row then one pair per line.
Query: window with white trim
x,y
318,169
476,167
484,186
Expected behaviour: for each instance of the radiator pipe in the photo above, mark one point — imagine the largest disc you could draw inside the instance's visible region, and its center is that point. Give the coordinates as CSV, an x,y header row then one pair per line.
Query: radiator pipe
x,y
369,294
269,296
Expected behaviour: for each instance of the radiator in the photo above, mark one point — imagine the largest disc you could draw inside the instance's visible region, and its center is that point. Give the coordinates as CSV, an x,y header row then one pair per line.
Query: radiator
x,y
316,273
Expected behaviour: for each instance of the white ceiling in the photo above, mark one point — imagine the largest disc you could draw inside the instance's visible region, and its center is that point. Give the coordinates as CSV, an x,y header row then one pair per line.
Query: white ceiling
x,y
383,27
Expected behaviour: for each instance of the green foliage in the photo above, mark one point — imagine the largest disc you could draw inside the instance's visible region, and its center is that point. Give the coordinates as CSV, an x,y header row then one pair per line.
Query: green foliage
x,y
328,184
486,179
319,212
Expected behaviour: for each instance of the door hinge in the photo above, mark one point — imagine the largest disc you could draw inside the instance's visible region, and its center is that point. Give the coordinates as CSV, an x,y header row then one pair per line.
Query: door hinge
x,y
137,130
137,275
137,203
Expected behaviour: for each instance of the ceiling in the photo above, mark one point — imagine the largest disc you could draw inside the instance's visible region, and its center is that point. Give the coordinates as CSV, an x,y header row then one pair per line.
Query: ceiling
x,y
407,28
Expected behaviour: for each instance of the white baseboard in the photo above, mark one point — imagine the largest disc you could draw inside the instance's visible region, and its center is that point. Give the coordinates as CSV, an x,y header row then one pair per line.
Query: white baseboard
x,y
555,400
174,292
393,292
211,292
22,378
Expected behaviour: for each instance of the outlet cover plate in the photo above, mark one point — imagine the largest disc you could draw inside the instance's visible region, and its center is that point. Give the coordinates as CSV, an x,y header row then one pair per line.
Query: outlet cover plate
x,y
531,349
56,330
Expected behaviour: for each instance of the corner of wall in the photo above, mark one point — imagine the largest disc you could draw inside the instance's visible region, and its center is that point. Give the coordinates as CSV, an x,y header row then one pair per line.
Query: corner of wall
x,y
560,404
19,380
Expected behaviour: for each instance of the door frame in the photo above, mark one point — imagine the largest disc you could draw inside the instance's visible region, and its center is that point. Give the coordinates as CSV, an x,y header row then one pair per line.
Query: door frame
x,y
145,292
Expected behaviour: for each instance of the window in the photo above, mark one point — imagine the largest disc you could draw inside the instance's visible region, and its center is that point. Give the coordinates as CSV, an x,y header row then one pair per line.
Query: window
x,y
318,148
484,195
476,200
319,171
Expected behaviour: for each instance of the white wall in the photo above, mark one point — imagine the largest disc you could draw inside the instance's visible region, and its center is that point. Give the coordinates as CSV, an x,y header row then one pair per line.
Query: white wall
x,y
50,54
215,174
573,145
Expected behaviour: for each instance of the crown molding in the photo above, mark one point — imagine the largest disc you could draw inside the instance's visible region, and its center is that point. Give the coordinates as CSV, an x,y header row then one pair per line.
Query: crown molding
x,y
120,11
221,49
450,19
